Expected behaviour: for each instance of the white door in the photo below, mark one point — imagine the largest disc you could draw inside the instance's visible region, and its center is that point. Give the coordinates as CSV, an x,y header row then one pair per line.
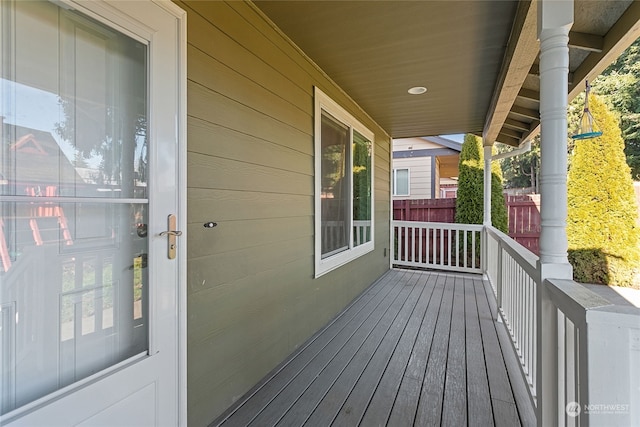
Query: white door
x,y
91,101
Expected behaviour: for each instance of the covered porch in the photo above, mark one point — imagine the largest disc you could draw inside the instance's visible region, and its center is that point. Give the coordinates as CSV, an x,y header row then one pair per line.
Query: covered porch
x,y
416,348
462,331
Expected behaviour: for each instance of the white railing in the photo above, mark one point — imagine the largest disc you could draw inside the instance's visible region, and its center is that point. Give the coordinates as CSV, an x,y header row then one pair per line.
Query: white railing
x,y
442,246
514,276
579,354
589,358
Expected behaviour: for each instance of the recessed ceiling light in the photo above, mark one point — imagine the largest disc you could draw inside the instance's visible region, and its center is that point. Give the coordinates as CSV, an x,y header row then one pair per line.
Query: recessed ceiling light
x,y
417,90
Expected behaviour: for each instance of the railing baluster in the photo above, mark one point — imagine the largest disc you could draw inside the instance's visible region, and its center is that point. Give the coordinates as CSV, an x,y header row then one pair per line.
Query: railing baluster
x,y
405,232
420,245
435,247
562,364
449,248
431,245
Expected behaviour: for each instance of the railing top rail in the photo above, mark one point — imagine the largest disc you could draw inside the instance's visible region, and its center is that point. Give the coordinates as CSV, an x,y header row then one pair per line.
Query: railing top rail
x,y
450,225
527,259
573,299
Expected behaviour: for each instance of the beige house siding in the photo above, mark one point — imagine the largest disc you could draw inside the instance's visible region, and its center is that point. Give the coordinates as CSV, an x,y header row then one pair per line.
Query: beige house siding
x,y
419,177
420,174
431,161
252,299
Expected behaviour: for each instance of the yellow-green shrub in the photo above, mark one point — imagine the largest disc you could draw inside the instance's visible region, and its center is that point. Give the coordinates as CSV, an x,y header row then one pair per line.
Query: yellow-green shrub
x,y
604,239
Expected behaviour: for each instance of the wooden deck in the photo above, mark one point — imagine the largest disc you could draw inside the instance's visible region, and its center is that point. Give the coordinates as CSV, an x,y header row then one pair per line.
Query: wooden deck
x,y
416,348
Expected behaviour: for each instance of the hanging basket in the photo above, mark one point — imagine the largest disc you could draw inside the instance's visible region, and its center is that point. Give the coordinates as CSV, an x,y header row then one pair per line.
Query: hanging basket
x,y
588,126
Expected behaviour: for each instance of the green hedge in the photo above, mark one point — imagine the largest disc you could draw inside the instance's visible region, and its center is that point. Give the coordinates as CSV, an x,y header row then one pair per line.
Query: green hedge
x,y
604,239
470,199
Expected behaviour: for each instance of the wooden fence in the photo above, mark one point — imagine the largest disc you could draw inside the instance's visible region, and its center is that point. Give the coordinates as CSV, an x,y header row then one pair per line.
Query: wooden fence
x,y
524,215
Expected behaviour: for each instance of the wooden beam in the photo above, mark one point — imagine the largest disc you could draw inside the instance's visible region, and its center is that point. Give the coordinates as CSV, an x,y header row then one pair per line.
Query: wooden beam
x,y
534,130
510,132
584,41
623,33
514,142
516,125
521,52
525,112
529,94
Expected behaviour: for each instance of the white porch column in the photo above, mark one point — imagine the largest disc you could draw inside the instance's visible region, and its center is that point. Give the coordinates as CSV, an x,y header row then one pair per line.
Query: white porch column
x,y
486,213
487,186
555,18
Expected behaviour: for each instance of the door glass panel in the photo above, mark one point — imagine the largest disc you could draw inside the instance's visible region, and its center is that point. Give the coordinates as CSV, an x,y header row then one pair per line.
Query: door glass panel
x,y
73,186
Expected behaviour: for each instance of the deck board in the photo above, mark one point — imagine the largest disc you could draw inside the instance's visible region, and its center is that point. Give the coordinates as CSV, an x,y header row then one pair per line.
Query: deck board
x,y
394,344
351,358
417,348
430,404
404,408
454,410
479,405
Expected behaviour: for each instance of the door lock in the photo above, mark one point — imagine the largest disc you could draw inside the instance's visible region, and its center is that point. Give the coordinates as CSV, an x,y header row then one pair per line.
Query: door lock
x,y
171,234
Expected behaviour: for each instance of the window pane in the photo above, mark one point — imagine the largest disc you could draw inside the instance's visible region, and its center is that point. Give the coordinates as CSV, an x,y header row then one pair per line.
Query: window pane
x,y
402,182
335,194
361,189
73,245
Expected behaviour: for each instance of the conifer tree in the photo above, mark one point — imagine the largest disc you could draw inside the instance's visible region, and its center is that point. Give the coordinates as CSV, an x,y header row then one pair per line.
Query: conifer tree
x,y
470,200
604,238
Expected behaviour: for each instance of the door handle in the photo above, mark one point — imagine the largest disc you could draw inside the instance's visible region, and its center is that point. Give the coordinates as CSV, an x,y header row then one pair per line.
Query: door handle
x,y
171,234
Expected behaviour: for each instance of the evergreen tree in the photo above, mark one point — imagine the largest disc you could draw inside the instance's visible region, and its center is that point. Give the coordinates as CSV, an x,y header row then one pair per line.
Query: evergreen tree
x,y
499,214
470,200
604,239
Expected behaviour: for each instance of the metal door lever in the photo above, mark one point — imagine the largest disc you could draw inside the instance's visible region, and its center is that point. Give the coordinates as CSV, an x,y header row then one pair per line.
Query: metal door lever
x,y
171,233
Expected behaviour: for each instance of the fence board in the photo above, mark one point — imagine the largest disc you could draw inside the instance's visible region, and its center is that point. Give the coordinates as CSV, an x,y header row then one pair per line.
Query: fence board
x,y
524,215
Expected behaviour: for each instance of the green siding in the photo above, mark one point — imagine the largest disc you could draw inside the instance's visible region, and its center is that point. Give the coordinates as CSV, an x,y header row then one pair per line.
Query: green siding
x,y
252,299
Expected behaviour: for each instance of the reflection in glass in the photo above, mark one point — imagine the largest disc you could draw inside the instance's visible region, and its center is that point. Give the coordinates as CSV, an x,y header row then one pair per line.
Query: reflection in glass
x,y
335,196
71,265
73,190
361,189
74,103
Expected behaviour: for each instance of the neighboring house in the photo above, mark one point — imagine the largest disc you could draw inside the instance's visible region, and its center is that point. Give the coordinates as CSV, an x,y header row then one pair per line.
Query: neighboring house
x,y
425,168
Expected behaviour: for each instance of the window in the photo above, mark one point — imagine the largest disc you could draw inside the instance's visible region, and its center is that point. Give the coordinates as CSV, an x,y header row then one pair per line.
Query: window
x,y
344,181
401,182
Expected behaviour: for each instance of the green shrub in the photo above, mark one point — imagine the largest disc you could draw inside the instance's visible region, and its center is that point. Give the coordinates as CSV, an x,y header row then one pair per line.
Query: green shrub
x,y
604,239
470,199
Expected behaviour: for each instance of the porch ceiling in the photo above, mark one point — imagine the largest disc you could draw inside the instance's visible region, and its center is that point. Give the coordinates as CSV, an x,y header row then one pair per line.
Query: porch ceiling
x,y
477,59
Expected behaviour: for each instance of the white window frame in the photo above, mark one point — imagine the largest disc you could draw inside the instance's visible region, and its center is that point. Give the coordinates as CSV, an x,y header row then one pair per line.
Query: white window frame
x,y
330,263
395,182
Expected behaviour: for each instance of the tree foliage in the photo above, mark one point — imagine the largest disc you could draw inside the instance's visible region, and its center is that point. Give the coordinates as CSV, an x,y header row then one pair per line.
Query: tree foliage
x,y
604,239
619,86
523,170
470,201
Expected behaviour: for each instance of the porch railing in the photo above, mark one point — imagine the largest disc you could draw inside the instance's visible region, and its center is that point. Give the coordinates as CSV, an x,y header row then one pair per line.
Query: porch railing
x,y
437,245
578,352
513,274
593,378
